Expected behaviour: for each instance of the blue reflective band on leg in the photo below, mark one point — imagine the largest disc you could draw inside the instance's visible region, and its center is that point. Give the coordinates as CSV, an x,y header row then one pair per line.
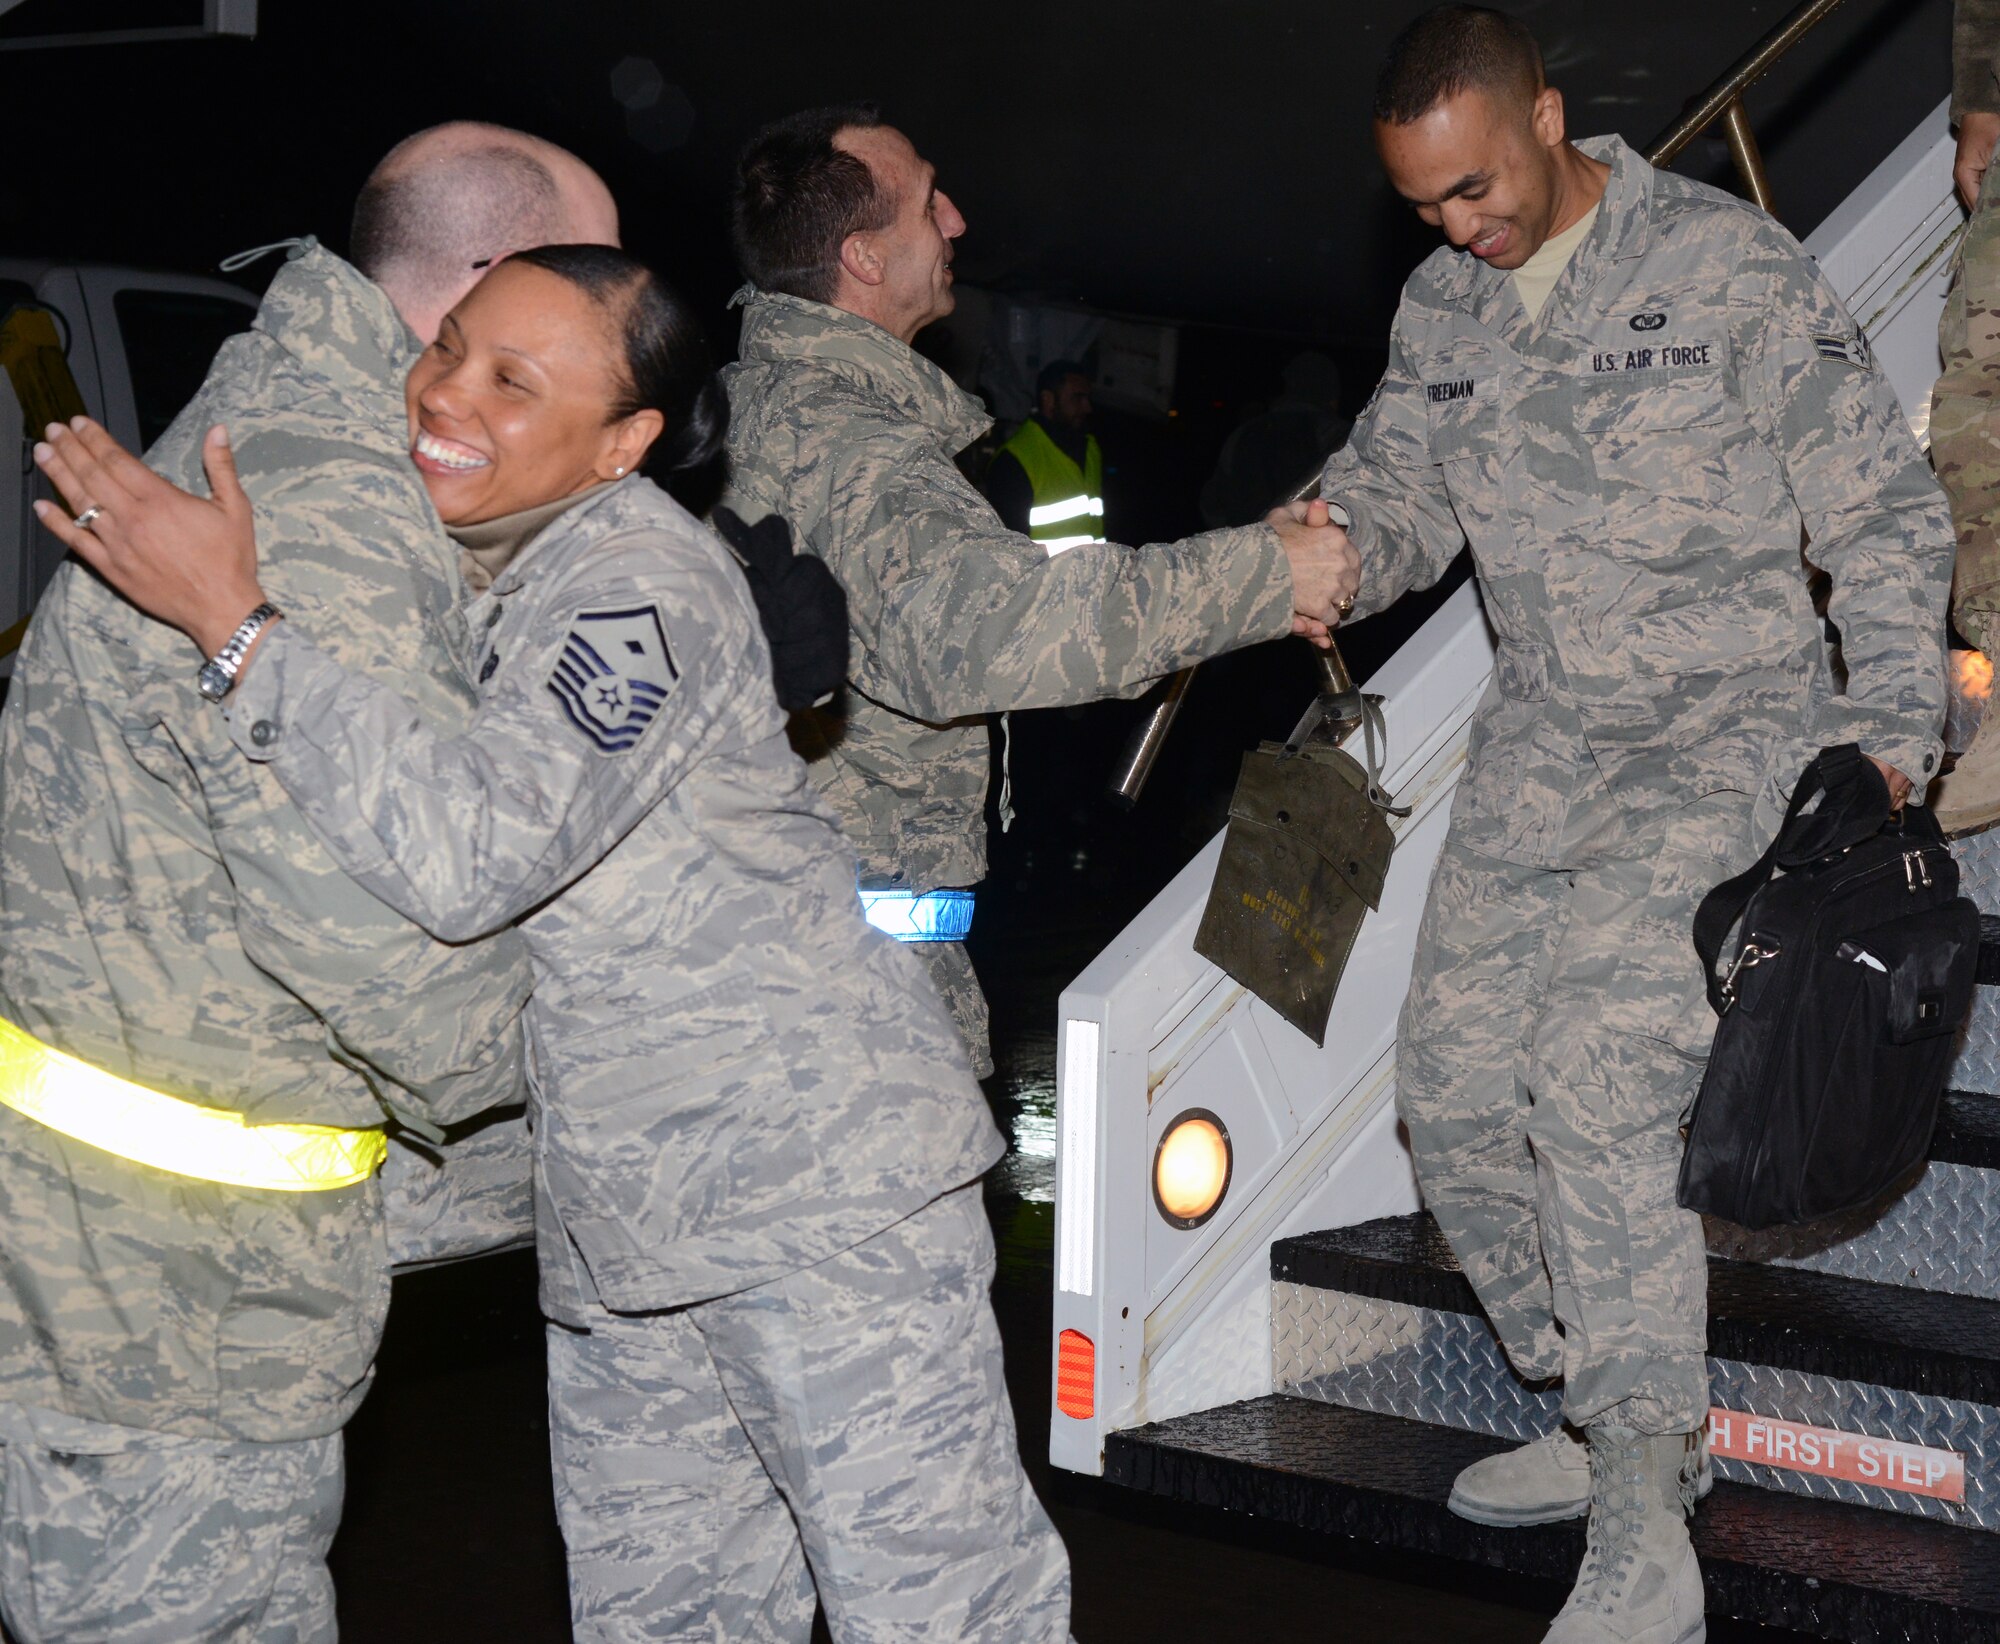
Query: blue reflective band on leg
x,y
932,916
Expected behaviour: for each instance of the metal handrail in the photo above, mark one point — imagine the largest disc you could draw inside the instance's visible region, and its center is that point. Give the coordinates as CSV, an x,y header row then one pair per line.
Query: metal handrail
x,y
1722,101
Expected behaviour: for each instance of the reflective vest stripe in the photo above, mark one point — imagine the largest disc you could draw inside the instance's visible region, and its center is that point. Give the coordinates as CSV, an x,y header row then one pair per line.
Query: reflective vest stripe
x,y
1054,513
1063,492
149,1128
919,916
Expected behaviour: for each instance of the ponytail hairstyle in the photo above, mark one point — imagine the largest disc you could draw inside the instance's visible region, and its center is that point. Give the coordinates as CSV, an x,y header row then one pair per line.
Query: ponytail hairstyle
x,y
668,365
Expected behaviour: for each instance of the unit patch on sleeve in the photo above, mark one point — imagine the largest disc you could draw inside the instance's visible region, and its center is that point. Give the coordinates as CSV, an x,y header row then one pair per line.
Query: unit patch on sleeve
x,y
614,675
1849,350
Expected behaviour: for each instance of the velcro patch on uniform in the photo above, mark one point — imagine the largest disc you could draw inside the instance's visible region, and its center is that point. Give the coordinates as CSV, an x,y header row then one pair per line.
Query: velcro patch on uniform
x,y
614,675
1850,350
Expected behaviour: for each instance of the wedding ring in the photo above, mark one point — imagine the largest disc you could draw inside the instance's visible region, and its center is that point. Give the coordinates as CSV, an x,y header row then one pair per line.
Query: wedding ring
x,y
1346,604
85,520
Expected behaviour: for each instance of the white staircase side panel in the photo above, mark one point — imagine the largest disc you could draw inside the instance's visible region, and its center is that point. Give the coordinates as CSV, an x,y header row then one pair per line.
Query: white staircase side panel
x,y
1179,1318
1887,249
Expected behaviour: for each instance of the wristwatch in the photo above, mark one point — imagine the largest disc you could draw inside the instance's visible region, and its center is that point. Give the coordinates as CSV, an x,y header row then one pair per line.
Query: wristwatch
x,y
218,673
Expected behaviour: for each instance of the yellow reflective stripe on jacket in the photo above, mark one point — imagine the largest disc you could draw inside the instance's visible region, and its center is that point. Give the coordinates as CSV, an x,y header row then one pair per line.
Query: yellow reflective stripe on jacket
x,y
167,1133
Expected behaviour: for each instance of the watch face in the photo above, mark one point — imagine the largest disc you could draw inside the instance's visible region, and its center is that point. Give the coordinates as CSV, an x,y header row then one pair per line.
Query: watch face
x,y
214,681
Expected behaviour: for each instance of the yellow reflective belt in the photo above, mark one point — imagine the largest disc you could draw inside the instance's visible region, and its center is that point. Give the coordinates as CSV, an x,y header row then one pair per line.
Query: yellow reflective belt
x,y
169,1134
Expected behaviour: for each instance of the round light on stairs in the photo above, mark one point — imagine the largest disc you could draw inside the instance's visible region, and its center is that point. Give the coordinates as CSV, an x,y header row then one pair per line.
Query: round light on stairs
x,y
1191,1168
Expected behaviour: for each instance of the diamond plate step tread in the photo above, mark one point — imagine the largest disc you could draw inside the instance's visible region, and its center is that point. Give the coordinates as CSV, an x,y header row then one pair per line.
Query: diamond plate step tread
x,y
1446,1368
1789,1318
1819,1567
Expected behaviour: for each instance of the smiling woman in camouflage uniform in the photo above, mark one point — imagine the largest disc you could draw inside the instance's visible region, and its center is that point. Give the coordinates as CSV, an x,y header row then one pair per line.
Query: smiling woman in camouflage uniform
x,y
756,1133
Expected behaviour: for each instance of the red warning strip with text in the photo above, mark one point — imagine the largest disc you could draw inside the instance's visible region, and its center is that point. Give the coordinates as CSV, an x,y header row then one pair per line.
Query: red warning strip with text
x,y
1858,1458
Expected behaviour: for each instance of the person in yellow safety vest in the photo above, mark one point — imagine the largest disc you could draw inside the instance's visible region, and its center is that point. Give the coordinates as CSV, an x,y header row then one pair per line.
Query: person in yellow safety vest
x,y
1047,482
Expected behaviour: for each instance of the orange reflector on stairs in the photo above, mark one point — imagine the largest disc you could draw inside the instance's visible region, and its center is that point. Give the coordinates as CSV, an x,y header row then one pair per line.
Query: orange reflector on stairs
x,y
1076,1375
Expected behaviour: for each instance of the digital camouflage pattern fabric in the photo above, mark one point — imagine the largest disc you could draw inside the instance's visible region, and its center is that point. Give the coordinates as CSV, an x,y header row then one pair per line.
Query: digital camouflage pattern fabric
x,y
1633,472
858,1405
736,1075
1975,58
167,914
1966,401
1552,1039
110,1535
742,1089
850,435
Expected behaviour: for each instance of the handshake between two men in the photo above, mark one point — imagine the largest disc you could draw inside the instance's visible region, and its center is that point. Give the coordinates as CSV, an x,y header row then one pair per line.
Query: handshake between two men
x,y
1326,569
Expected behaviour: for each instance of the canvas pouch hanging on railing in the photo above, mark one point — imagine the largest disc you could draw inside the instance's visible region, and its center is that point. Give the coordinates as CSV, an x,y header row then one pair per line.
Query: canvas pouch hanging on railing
x,y
1851,974
1303,861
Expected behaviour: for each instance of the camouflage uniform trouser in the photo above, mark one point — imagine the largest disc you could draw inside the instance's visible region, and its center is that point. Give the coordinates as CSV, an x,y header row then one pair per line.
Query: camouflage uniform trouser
x,y
1965,422
846,1425
1552,1040
470,1196
957,984
113,1535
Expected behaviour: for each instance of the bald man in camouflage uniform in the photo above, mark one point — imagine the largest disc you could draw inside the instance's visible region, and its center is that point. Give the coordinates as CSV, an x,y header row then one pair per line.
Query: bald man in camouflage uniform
x,y
1965,406
178,1356
1631,447
774,1372
840,426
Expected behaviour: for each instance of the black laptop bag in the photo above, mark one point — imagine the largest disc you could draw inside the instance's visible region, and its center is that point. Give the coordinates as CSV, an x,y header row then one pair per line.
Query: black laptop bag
x,y
1851,976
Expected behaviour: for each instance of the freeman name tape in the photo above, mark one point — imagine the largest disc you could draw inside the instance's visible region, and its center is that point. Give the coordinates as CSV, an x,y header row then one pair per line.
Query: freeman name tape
x,y
1854,1458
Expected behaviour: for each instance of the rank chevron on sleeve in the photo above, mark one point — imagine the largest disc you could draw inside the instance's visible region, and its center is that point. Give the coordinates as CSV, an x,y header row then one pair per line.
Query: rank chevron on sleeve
x,y
1849,350
614,674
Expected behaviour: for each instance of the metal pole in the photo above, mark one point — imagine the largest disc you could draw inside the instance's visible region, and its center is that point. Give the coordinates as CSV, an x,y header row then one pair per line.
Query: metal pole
x,y
1749,69
1744,151
1334,679
1128,777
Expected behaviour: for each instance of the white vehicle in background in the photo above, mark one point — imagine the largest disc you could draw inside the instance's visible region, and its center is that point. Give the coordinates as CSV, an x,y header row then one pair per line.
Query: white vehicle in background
x,y
1252,1311
137,345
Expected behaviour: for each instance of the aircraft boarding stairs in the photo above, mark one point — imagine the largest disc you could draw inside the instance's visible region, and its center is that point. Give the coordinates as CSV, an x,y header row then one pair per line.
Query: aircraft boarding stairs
x,y
1309,1353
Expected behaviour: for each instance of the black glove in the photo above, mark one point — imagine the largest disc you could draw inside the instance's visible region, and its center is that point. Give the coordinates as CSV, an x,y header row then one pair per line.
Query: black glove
x,y
801,603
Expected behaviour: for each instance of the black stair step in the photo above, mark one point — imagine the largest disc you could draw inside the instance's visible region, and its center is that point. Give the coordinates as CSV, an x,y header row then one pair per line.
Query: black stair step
x,y
1820,1567
1968,1130
1786,1317
1989,950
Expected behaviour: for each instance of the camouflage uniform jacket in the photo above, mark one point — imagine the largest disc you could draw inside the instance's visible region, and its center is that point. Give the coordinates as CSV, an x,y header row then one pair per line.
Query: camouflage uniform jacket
x,y
1633,472
166,914
850,435
736,1076
1975,58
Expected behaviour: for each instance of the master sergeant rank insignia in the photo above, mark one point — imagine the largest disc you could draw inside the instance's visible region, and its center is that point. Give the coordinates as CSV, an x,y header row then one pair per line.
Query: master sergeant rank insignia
x,y
614,675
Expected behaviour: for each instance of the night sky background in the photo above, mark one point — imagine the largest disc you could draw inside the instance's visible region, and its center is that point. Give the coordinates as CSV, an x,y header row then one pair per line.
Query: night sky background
x,y
1204,162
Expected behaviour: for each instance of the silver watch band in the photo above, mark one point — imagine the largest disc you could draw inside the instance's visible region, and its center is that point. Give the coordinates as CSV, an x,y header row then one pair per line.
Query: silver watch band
x,y
218,674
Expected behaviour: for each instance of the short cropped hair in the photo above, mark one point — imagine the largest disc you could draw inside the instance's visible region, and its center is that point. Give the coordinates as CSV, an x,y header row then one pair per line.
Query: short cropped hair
x,y
1055,374
798,198
1454,49
667,366
425,224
